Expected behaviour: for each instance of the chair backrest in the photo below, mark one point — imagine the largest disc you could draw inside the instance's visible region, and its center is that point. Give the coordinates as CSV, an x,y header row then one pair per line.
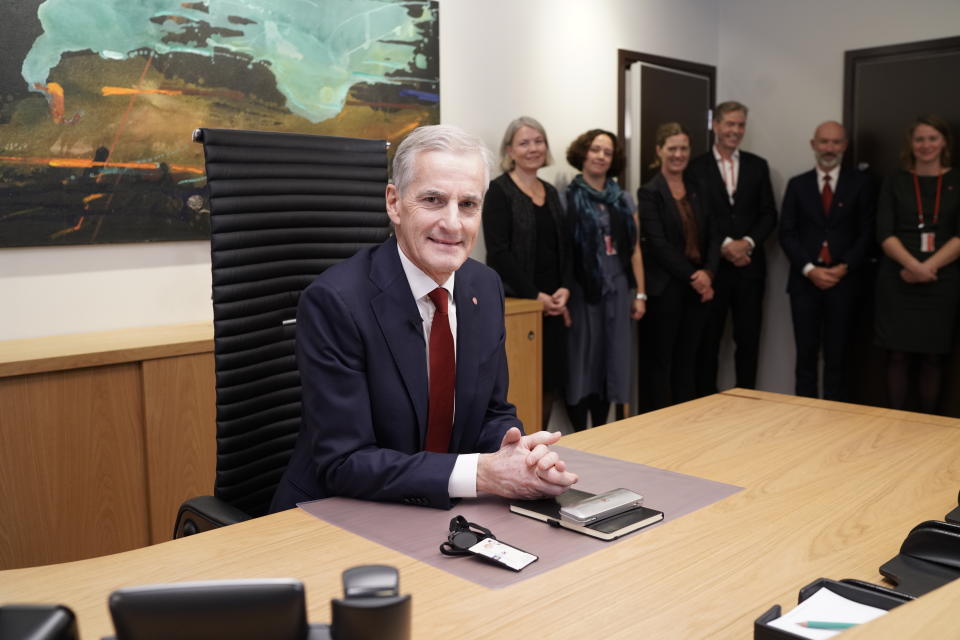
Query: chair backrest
x,y
234,609
283,208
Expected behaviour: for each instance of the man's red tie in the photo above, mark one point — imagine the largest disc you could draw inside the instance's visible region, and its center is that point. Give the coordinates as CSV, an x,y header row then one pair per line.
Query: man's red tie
x,y
443,374
826,197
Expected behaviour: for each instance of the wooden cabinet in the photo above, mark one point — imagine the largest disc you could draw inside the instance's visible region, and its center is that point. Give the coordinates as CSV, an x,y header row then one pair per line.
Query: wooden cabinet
x,y
104,435
524,327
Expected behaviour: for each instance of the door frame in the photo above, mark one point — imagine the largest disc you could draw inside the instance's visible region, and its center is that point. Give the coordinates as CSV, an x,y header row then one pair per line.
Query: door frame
x,y
855,57
626,59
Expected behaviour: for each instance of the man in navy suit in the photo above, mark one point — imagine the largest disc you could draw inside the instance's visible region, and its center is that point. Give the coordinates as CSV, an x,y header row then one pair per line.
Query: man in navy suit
x,y
825,229
736,188
364,342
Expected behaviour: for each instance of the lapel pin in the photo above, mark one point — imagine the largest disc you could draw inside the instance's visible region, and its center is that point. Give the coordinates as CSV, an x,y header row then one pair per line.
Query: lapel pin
x,y
474,300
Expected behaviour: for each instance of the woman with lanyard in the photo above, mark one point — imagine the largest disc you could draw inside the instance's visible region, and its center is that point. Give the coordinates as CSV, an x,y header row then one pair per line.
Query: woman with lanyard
x,y
608,280
918,285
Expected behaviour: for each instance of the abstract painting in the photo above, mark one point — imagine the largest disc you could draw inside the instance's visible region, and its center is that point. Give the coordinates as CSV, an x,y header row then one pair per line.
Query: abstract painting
x,y
98,100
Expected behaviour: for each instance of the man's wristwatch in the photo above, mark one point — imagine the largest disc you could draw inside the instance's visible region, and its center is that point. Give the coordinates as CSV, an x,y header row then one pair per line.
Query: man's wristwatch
x,y
642,296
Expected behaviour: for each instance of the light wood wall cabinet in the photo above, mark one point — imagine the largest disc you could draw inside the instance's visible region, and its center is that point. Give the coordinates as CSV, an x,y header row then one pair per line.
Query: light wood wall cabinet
x,y
524,323
103,435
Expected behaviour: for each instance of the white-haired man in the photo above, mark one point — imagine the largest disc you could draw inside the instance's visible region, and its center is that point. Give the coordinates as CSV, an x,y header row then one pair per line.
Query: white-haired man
x,y
393,407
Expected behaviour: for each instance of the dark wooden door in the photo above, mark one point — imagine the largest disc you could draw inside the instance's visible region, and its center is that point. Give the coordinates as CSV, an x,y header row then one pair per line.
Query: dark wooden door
x,y
885,88
655,90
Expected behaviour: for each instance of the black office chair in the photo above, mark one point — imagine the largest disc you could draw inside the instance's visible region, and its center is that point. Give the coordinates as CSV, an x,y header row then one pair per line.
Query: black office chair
x,y
37,622
228,609
283,208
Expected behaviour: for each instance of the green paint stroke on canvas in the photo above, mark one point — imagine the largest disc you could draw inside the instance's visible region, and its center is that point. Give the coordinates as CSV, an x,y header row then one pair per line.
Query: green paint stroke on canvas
x,y
316,49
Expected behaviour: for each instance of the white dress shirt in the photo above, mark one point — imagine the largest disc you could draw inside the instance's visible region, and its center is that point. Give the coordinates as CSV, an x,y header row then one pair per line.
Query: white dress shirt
x,y
730,172
821,181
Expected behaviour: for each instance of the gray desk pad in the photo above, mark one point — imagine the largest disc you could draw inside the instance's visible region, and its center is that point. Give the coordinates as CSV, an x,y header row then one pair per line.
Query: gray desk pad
x,y
418,531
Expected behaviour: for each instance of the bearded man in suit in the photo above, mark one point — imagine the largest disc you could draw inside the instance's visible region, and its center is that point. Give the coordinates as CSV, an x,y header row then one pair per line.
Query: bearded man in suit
x,y
825,229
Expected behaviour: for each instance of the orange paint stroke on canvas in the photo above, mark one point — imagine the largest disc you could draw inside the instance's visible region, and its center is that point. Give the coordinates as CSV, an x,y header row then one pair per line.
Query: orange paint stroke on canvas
x,y
134,91
55,102
81,163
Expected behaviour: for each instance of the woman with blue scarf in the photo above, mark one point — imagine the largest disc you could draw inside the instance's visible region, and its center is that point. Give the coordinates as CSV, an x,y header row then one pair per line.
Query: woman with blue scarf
x,y
608,267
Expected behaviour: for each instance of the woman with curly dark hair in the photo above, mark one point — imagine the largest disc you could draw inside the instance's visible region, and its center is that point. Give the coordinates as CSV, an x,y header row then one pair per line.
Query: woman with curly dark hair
x,y
608,268
918,284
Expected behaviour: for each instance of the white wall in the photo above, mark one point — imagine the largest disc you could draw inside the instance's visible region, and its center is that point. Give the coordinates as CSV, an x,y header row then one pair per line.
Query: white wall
x,y
784,60
554,59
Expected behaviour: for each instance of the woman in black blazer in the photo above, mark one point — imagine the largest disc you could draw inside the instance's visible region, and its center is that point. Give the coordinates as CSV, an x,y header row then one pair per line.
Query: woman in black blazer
x,y
528,245
681,251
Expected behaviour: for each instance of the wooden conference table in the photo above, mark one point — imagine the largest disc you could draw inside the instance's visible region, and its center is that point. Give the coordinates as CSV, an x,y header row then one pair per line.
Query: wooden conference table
x,y
830,490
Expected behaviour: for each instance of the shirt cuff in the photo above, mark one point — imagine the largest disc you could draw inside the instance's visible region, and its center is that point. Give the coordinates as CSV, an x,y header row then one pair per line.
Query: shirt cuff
x,y
753,245
726,241
807,268
463,478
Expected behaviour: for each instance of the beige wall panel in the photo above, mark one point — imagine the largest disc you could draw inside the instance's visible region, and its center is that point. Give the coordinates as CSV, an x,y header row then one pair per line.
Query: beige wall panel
x,y
72,477
180,411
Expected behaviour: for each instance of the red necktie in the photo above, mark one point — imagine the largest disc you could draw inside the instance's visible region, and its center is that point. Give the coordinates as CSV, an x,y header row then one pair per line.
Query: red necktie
x,y
826,197
443,374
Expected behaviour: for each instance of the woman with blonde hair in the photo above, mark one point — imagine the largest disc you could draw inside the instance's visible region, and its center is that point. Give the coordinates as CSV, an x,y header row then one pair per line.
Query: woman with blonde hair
x,y
527,243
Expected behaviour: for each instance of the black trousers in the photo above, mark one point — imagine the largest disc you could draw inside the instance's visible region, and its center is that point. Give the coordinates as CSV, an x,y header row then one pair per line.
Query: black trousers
x,y
743,299
673,329
822,323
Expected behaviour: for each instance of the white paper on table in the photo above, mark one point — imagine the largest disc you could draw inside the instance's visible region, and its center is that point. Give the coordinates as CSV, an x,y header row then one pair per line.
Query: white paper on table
x,y
824,606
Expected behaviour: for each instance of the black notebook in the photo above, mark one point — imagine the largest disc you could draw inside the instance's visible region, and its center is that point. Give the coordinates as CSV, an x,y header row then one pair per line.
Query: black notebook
x,y
548,510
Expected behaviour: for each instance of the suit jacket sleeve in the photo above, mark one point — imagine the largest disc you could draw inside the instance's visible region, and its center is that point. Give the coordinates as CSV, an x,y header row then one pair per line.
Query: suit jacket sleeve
x,y
500,415
712,262
658,247
887,210
346,444
766,219
789,233
866,207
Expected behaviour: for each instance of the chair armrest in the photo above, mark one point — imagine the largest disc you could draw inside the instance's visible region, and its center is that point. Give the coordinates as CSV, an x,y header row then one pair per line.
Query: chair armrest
x,y
204,513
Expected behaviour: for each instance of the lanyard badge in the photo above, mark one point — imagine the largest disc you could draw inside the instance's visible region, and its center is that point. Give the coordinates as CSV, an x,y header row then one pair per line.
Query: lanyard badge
x,y
470,539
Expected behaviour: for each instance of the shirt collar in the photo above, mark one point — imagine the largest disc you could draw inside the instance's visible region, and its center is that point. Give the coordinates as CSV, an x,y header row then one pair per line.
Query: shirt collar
x,y
735,156
420,283
833,173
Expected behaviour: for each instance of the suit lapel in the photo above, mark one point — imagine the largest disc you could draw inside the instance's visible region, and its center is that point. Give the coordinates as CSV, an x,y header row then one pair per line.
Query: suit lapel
x,y
673,220
743,176
844,189
718,184
399,319
811,189
468,357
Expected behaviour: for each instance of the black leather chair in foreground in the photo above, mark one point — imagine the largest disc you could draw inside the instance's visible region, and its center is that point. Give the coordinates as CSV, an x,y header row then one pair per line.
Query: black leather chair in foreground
x,y
37,622
228,609
283,208
371,609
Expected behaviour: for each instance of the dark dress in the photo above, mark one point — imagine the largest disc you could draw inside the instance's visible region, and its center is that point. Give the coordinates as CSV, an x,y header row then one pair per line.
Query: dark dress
x,y
600,336
528,246
917,318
